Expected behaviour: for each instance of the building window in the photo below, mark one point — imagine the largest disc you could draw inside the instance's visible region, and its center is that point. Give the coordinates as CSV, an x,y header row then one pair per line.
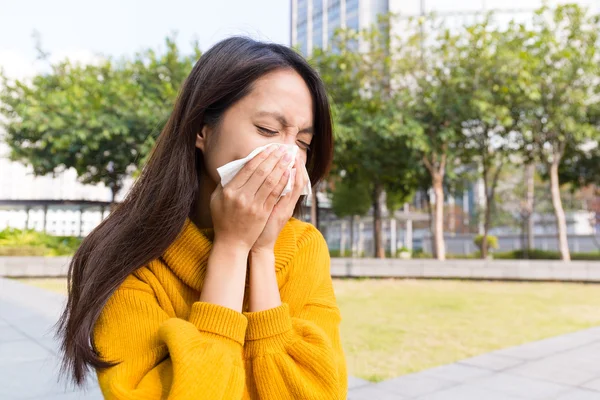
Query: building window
x,y
302,11
317,7
351,5
317,36
333,17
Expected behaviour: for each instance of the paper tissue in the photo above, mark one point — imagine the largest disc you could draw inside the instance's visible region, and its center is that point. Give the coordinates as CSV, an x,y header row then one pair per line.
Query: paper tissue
x,y
229,170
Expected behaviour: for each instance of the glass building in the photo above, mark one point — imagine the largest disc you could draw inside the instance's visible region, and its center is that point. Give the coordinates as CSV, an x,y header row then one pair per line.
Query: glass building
x,y
315,21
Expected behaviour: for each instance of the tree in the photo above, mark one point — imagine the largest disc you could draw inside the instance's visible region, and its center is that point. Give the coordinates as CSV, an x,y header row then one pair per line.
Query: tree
x,y
371,128
580,166
97,119
437,94
349,199
494,109
563,60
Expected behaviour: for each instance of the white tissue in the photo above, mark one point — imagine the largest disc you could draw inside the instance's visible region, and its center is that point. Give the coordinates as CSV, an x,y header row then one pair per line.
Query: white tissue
x,y
229,170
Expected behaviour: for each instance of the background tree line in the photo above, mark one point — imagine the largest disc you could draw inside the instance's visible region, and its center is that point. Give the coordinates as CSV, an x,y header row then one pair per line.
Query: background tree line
x,y
416,109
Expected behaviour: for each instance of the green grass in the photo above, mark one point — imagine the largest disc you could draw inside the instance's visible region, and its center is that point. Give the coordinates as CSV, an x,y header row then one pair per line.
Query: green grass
x,y
394,327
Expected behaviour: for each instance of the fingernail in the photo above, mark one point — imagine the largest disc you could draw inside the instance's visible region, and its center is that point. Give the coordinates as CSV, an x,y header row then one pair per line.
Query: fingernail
x,y
270,149
287,157
280,149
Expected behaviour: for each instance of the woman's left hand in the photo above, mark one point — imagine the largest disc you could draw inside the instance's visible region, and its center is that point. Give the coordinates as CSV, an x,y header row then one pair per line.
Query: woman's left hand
x,y
283,210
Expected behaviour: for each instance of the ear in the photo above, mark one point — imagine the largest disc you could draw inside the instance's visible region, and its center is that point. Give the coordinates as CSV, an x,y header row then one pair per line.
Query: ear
x,y
202,137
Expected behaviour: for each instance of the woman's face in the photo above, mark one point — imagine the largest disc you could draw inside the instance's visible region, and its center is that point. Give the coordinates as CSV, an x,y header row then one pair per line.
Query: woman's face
x,y
279,109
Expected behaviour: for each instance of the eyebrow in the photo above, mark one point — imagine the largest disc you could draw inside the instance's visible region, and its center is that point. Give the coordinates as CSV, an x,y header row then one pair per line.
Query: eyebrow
x,y
281,119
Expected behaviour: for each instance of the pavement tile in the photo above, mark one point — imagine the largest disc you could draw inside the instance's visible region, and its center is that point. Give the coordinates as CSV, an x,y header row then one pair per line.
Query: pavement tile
x,y
36,327
414,385
513,385
493,362
31,379
456,372
94,394
468,392
543,348
579,394
373,393
592,385
10,334
22,351
356,382
553,371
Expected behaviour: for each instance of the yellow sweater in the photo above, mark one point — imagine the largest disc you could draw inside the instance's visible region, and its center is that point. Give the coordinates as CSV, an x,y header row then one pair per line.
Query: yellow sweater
x,y
172,346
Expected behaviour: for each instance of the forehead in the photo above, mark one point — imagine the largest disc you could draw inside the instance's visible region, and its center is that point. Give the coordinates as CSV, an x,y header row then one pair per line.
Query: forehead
x,y
282,91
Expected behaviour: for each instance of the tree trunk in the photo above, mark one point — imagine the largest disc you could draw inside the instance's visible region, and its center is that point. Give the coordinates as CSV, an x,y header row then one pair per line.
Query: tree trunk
x,y
114,189
438,231
559,212
431,224
352,236
486,227
377,228
314,209
529,204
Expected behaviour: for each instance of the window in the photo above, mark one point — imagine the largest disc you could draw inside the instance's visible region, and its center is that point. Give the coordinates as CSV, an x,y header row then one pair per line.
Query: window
x,y
318,32
317,7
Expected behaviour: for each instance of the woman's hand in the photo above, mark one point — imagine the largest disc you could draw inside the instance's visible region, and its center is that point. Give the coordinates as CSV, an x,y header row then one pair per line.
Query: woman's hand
x,y
240,210
282,212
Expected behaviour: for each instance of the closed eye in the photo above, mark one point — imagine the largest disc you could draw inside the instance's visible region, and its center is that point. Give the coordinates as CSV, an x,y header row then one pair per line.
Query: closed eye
x,y
267,131
304,145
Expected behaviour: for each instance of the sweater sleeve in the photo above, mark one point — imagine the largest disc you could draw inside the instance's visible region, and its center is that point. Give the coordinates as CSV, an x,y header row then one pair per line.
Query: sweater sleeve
x,y
159,357
299,355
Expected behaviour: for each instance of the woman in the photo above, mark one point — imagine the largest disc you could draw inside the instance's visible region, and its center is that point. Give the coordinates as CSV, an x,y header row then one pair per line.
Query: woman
x,y
192,290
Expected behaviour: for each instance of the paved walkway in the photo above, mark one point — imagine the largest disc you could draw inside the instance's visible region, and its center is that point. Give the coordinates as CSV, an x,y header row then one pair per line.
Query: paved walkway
x,y
565,367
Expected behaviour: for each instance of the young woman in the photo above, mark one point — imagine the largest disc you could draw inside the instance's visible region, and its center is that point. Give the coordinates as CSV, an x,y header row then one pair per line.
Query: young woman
x,y
192,290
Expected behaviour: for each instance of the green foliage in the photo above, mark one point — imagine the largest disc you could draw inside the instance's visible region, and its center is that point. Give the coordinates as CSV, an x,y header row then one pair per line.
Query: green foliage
x,y
17,242
98,119
492,241
580,167
372,130
561,54
535,254
348,199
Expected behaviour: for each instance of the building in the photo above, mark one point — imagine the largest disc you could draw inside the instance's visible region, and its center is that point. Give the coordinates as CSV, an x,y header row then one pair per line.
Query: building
x,y
58,205
313,22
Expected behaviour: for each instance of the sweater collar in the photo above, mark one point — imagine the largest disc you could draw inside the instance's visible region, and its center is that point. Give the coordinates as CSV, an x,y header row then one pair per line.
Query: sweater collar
x,y
188,255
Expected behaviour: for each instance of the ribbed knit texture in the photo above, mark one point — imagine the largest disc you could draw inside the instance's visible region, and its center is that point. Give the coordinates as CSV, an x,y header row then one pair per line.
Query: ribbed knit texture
x,y
169,345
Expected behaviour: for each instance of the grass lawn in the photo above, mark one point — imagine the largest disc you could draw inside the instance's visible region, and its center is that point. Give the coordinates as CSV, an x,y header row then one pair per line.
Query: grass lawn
x,y
392,327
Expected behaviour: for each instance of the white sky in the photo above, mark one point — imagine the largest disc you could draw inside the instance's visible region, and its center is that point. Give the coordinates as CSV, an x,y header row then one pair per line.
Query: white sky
x,y
81,28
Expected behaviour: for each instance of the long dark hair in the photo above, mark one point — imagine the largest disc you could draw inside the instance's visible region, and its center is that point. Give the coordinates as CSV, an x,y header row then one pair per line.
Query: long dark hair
x,y
149,219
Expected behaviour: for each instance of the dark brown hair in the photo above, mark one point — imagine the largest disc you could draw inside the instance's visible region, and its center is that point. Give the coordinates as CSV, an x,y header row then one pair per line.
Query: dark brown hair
x,y
149,219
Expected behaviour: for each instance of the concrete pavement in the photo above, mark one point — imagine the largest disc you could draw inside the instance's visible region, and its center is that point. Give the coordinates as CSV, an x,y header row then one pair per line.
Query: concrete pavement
x,y
565,367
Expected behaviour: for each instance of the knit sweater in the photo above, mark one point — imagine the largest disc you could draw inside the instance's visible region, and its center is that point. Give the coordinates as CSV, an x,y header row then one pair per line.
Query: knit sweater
x,y
170,345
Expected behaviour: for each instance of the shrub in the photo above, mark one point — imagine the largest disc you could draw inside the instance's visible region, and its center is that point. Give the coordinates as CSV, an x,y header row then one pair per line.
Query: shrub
x,y
492,242
535,254
18,242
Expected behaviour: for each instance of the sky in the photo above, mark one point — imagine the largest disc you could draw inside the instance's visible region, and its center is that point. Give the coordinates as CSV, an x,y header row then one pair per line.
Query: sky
x,y
80,29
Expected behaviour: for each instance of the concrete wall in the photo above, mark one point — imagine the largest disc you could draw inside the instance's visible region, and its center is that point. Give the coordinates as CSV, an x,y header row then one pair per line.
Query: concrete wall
x,y
584,271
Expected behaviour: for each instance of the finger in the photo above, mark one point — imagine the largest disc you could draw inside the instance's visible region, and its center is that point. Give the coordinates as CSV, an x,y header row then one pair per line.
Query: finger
x,y
301,180
275,194
272,181
263,171
289,202
247,170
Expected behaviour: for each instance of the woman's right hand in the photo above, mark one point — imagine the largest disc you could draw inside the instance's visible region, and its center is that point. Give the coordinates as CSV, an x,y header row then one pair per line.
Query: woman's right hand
x,y
240,210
